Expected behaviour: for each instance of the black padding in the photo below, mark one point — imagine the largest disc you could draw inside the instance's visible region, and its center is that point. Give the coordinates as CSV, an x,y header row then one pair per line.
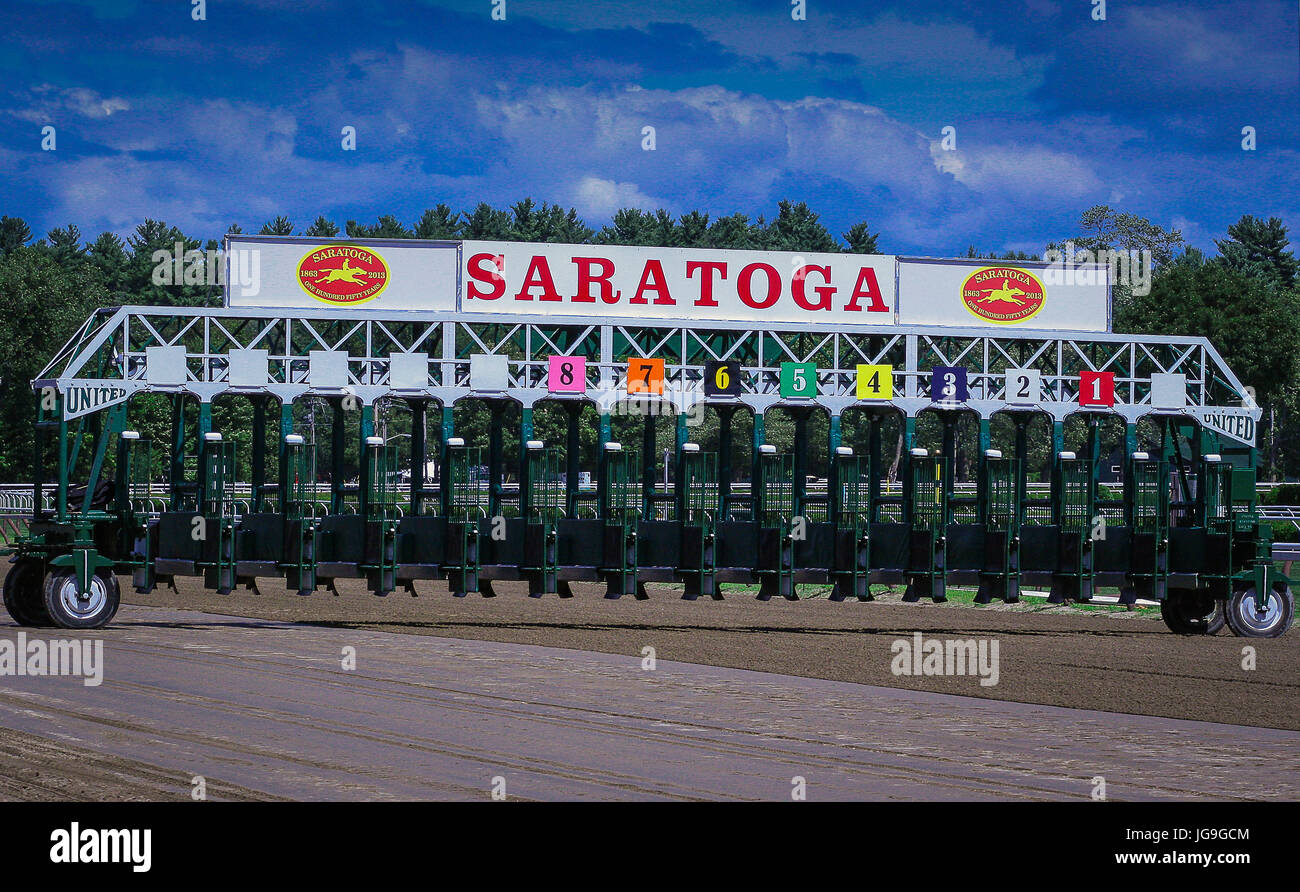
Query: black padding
x,y
1038,547
420,539
581,542
736,543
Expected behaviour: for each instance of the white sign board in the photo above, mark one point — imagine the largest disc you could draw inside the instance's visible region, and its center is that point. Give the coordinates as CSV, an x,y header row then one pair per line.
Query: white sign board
x,y
1011,294
604,282
383,275
615,282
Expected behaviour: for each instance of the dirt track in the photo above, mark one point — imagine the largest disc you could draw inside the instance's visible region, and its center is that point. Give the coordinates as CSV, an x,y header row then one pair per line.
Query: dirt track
x,y
260,709
1116,662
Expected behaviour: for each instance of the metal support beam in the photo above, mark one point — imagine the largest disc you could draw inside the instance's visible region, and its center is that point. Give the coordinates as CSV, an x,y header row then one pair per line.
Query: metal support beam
x,y
725,446
572,448
874,463
648,446
282,450
367,430
496,458
800,463
419,453
176,461
338,445
259,455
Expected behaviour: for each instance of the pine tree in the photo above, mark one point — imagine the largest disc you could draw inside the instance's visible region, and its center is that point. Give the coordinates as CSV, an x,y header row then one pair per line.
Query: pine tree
x,y
439,222
14,233
322,227
693,230
108,254
486,223
861,240
279,226
65,245
1260,248
797,228
735,232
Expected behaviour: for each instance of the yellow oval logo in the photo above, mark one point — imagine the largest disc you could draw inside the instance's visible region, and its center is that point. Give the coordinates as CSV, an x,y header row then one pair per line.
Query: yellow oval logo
x,y
1003,295
343,275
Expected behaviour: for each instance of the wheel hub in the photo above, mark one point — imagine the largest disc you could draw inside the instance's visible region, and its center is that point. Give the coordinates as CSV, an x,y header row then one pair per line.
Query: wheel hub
x,y
83,604
1251,615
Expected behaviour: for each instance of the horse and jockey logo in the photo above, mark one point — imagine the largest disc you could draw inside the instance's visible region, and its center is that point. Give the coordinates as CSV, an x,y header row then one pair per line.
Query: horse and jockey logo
x,y
343,274
1003,295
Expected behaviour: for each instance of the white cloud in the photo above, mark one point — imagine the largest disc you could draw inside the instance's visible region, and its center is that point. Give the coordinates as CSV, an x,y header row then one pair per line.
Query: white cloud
x,y
600,198
46,102
1018,171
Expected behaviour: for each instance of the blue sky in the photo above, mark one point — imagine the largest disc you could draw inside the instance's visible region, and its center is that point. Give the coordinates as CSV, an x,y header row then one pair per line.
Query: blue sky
x,y
237,118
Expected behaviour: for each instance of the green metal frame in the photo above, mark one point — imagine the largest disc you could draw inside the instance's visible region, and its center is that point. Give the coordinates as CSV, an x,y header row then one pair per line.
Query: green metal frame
x,y
1001,511
927,512
543,501
851,510
620,510
697,498
466,497
1074,494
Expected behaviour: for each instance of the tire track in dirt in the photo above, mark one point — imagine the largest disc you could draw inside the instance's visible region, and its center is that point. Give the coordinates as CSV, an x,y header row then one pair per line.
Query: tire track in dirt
x,y
434,717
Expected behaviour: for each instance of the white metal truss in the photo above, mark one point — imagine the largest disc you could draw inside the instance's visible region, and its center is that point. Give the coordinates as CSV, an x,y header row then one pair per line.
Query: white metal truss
x,y
109,353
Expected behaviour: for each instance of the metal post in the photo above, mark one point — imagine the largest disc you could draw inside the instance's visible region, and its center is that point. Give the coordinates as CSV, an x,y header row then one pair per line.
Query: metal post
x,y
648,468
286,428
800,463
724,460
981,463
874,457
1022,471
444,461
38,472
1094,450
61,500
571,454
176,472
419,454
495,459
949,453
755,474
338,444
259,455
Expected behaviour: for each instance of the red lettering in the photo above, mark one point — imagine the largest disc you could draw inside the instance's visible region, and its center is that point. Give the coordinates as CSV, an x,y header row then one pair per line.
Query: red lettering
x,y
491,275
867,276
586,280
653,279
709,267
825,292
745,278
538,276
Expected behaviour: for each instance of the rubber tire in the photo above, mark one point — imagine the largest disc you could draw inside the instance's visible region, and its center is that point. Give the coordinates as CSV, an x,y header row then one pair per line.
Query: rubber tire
x,y
23,596
1245,630
56,579
1183,615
